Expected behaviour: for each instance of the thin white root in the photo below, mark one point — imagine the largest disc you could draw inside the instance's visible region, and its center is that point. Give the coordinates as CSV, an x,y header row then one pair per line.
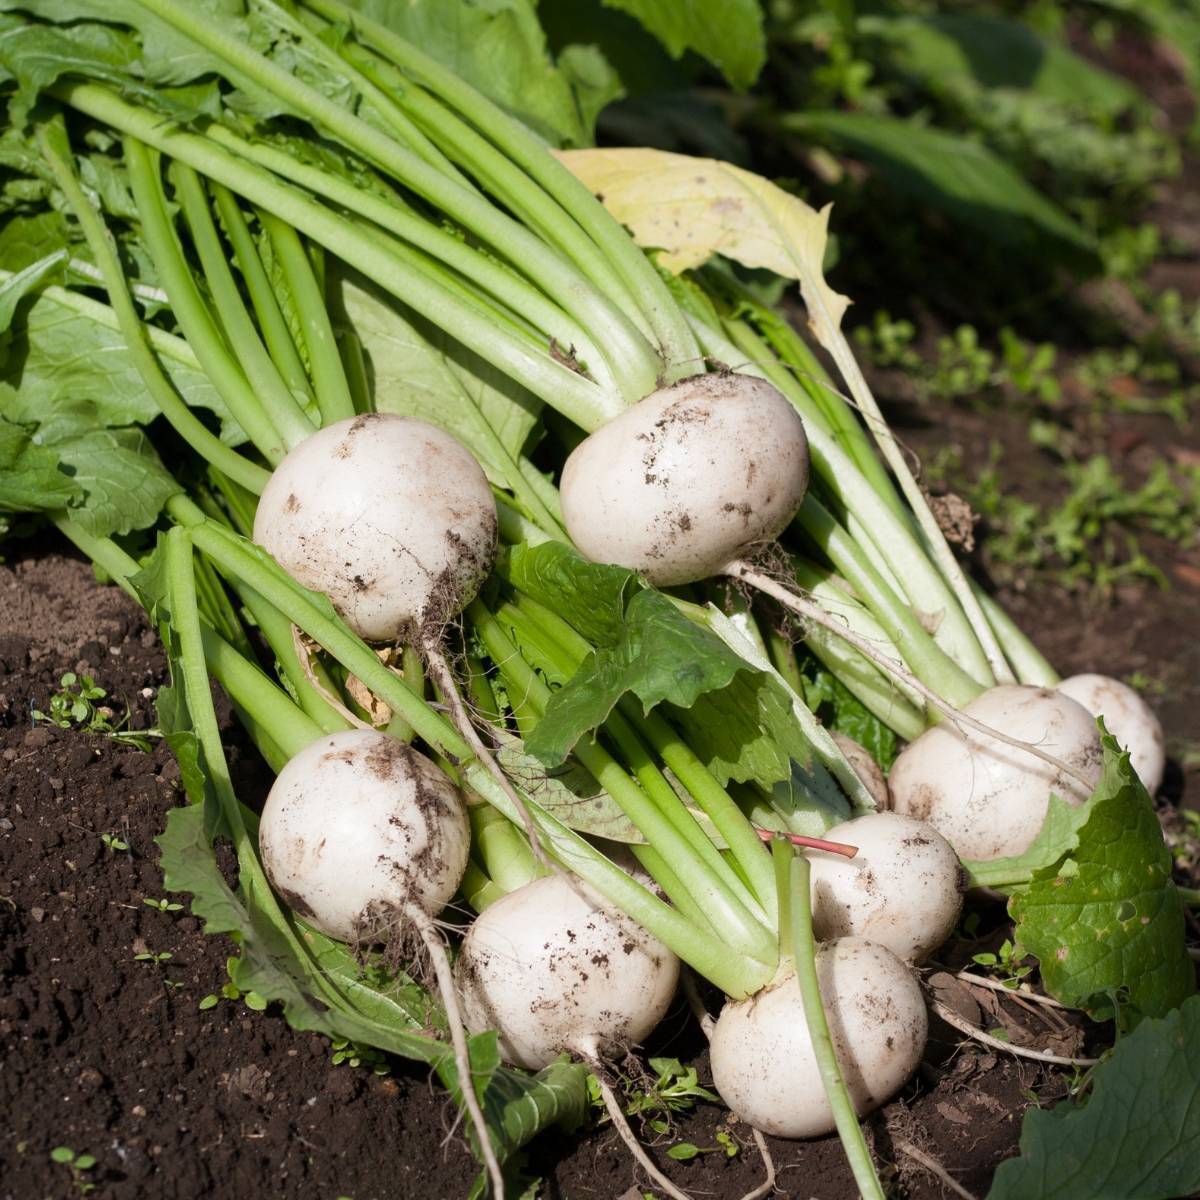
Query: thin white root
x,y
1025,993
303,647
768,1185
443,677
933,1166
462,1056
964,1026
692,995
621,1125
813,612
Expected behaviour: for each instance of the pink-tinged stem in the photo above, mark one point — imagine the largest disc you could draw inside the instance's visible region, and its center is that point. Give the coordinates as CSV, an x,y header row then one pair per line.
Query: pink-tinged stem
x,y
809,843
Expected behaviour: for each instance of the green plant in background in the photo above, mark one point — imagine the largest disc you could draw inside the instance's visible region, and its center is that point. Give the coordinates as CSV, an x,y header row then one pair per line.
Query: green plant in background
x,y
78,1164
1091,536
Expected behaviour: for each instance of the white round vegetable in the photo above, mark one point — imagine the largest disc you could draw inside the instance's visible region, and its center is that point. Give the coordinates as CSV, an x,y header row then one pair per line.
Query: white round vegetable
x,y
357,826
554,971
1128,718
389,516
762,1057
865,767
989,799
903,889
689,479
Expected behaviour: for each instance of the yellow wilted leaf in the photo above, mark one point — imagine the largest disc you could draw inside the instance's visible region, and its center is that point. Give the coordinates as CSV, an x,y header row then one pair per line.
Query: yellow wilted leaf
x,y
692,208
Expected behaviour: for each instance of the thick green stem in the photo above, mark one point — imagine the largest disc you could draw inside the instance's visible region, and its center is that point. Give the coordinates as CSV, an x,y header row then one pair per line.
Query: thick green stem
x,y
137,340
271,320
1028,662
256,695
883,696
324,361
737,925
189,307
934,539
809,376
836,1092
277,630
501,849
917,647
236,558
581,401
628,726
643,286
554,274
656,785
396,220
261,373
478,890
715,802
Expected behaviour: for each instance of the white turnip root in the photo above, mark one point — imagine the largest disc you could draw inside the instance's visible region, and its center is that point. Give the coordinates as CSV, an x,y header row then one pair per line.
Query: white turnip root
x,y
1128,718
364,837
988,798
689,479
762,1057
553,969
389,516
358,826
903,889
865,767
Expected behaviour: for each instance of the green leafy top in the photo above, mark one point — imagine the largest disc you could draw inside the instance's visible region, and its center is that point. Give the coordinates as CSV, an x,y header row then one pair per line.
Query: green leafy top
x,y
738,717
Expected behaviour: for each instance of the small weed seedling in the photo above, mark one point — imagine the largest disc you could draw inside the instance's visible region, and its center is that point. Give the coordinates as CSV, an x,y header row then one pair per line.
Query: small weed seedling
x,y
78,1164
355,1054
231,991
1008,961
685,1151
113,844
162,905
159,960
75,706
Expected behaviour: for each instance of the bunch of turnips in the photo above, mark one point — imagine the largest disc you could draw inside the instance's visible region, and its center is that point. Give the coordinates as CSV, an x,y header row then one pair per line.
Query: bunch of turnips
x,y
518,563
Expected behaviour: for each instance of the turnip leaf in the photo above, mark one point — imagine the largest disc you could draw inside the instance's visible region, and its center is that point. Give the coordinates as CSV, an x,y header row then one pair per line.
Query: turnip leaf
x,y
1138,1135
1106,920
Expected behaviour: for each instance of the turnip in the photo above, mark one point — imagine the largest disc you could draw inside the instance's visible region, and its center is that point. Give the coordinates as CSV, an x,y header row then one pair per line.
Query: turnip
x,y
903,889
688,480
1127,717
762,1056
364,836
987,797
390,517
359,826
552,968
